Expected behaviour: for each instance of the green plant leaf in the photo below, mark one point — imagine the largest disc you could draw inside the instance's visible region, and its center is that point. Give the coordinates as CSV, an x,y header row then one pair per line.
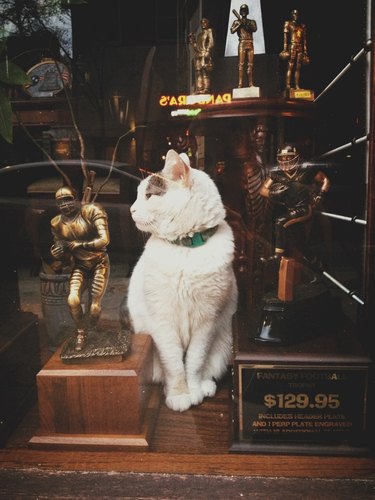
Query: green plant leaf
x,y
6,126
11,74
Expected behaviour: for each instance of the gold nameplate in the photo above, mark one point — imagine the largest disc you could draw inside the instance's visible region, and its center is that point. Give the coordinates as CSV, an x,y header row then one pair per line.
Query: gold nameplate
x,y
306,94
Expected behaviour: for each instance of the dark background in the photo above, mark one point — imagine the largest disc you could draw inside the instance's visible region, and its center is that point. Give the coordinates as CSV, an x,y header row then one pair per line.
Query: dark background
x,y
113,40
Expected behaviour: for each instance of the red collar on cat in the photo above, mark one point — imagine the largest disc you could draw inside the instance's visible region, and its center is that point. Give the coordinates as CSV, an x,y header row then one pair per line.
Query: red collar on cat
x,y
197,240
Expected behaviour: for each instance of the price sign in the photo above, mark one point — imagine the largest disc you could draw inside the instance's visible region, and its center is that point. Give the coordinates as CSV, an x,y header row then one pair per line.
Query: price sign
x,y
313,404
302,400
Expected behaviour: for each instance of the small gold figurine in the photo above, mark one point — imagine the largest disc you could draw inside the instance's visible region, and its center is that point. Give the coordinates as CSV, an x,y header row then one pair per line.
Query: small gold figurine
x,y
81,231
244,28
295,49
203,46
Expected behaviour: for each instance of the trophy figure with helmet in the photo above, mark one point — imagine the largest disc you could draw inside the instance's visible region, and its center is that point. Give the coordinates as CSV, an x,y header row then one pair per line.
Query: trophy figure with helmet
x,y
80,232
245,28
295,190
295,54
292,186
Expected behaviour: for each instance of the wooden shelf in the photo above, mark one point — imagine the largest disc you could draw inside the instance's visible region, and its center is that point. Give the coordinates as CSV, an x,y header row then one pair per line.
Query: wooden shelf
x,y
260,107
194,442
188,457
41,112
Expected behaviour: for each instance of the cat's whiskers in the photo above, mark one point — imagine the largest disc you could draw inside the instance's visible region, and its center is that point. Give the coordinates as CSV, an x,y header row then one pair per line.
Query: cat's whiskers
x,y
149,229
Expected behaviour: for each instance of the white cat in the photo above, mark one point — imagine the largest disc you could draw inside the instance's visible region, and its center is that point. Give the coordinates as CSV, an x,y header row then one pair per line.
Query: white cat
x,y
183,290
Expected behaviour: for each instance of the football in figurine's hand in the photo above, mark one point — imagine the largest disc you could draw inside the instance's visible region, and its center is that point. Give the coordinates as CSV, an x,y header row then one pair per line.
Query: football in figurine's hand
x,y
278,188
284,55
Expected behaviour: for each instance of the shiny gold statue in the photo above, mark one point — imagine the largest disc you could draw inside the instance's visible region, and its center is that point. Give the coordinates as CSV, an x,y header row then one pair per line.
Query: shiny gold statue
x,y
81,232
295,49
244,28
203,46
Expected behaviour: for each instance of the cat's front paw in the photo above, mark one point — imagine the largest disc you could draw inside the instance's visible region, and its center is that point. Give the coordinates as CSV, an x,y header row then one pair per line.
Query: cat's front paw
x,y
209,388
181,402
196,394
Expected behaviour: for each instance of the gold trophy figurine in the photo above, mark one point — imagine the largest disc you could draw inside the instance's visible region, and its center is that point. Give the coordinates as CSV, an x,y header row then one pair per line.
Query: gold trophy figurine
x,y
81,232
203,46
244,28
295,53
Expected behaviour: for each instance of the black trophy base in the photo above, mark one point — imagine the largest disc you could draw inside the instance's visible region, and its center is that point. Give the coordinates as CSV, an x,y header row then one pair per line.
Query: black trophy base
x,y
285,323
309,398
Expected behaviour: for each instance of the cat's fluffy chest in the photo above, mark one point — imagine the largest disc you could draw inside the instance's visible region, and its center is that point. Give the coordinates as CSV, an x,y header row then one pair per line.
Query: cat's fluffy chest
x,y
181,275
183,285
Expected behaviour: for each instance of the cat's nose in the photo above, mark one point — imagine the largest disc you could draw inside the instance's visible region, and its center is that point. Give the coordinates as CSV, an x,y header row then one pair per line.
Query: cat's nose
x,y
132,209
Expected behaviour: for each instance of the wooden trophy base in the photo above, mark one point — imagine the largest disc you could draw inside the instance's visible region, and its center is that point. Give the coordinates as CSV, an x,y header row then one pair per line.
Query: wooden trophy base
x,y
311,397
102,406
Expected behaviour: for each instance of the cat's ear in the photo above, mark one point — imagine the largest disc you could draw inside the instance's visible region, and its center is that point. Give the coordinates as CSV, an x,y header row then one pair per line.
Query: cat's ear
x,y
177,167
184,157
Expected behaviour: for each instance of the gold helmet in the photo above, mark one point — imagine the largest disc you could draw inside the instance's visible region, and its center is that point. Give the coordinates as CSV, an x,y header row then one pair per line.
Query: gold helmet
x,y
65,192
287,157
66,200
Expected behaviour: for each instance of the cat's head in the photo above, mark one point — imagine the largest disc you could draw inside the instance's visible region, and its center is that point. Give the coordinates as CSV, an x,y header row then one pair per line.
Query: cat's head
x,y
177,201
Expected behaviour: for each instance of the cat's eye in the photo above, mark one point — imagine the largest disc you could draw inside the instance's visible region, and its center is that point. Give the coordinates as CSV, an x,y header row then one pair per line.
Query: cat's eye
x,y
148,195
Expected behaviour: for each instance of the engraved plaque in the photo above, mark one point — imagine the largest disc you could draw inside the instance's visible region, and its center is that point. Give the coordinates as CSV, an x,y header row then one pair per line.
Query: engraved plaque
x,y
305,94
301,407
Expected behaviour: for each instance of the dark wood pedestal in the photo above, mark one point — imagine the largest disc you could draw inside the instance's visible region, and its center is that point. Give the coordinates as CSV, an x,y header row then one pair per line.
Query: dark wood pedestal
x,y
98,404
311,397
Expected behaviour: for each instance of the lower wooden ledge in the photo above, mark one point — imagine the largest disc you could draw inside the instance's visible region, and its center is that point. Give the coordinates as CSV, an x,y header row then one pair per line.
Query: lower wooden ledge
x,y
113,442
298,449
193,442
